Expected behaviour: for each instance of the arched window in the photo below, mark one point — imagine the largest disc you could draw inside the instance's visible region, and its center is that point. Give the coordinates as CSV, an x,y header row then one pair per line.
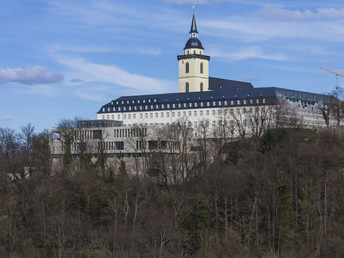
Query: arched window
x,y
201,68
187,87
201,87
187,67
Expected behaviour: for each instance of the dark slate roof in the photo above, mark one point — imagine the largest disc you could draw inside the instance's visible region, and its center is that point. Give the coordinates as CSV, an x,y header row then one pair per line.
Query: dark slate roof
x,y
218,98
193,25
193,43
190,97
223,84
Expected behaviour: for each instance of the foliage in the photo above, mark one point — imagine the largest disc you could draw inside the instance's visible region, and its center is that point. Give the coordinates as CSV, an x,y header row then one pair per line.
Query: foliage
x,y
280,196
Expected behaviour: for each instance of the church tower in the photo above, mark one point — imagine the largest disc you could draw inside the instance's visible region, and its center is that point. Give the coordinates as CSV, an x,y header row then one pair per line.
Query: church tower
x,y
193,65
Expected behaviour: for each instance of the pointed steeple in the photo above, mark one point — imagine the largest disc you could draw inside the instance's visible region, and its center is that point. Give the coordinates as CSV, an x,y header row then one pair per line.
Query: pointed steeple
x,y
193,29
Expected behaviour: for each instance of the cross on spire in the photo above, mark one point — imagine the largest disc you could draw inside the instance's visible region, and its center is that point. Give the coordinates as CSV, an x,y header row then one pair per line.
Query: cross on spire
x,y
193,31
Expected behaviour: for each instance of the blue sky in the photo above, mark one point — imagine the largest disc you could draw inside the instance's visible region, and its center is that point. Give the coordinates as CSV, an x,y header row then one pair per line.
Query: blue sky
x,y
66,58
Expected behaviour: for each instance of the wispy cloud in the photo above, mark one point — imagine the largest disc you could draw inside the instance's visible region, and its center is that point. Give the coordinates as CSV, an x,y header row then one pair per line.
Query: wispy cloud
x,y
115,75
76,80
246,53
103,49
199,1
6,118
251,78
282,12
30,76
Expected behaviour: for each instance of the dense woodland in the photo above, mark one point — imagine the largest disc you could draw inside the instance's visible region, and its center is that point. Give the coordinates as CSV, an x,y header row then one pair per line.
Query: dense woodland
x,y
277,195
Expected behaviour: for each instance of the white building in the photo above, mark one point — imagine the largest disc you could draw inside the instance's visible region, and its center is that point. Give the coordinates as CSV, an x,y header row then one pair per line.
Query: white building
x,y
202,102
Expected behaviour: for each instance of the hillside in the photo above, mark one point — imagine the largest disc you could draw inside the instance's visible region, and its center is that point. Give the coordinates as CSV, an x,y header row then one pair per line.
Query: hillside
x,y
281,195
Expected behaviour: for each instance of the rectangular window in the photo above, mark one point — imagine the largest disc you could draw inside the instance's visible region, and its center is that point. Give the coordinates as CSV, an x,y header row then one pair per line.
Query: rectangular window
x,y
173,114
124,116
156,115
207,113
178,114
129,116
201,113
97,134
134,116
213,112
190,113
151,115
167,114
195,113
119,145
184,113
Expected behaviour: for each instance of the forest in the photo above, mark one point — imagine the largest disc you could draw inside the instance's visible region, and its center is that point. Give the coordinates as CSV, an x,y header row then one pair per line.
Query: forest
x,y
279,195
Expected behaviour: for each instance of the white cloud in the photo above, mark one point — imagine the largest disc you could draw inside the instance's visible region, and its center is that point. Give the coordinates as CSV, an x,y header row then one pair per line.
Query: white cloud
x,y
30,76
251,78
199,1
186,1
115,75
281,12
6,118
246,53
104,49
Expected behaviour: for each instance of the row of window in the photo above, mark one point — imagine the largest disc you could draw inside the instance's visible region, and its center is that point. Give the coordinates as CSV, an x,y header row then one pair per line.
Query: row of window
x,y
132,132
188,52
214,103
187,87
133,101
189,113
112,145
187,67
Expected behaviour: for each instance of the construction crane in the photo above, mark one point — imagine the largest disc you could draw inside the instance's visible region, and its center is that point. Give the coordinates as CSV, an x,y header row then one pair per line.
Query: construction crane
x,y
337,74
